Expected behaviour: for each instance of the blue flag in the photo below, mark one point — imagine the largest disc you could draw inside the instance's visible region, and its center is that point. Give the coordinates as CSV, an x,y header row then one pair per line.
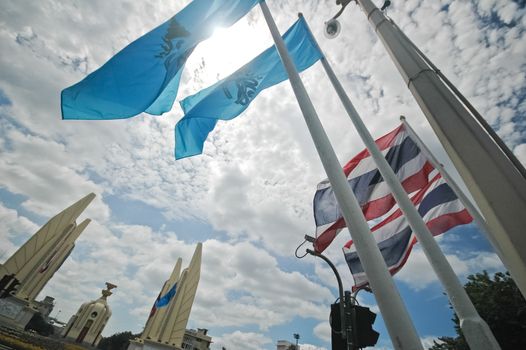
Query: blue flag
x,y
144,76
229,97
165,299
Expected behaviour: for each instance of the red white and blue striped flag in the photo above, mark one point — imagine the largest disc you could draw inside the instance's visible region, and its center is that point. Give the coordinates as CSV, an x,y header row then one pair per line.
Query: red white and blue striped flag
x,y
374,195
439,207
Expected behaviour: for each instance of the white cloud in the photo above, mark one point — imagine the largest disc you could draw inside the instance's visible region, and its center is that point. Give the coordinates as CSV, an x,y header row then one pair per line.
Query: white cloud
x,y
310,347
14,228
255,181
427,341
520,152
42,169
418,273
323,331
267,294
241,341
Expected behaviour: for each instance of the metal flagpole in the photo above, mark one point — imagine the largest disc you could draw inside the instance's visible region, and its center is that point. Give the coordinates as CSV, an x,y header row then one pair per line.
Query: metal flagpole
x,y
476,331
477,217
497,185
399,325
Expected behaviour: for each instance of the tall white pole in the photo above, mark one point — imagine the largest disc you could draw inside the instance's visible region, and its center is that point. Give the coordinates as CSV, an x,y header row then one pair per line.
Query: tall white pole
x,y
476,331
401,329
497,185
477,217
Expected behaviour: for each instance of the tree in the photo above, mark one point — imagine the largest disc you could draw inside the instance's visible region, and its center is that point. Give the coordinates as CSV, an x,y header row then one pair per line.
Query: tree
x,y
117,341
500,303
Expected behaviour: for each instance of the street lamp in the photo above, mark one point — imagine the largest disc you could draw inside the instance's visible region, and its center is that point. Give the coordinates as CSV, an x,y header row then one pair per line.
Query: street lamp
x,y
297,337
333,26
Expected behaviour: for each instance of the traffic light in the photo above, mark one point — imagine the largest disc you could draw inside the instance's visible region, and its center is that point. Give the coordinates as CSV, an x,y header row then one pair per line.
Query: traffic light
x,y
338,343
362,327
8,286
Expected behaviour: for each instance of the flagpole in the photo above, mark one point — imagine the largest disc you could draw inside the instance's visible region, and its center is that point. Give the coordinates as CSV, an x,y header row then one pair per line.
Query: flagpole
x,y
476,331
496,182
398,323
475,213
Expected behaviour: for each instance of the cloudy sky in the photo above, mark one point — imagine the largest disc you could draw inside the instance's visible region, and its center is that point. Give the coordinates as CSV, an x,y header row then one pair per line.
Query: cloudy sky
x,y
248,198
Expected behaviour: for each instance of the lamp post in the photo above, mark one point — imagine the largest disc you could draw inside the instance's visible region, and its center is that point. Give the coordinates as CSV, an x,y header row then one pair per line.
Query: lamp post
x,y
297,337
356,321
345,329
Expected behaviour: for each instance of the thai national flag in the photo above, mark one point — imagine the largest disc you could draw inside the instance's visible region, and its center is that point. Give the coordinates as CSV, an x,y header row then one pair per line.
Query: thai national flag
x,y
439,207
154,307
373,194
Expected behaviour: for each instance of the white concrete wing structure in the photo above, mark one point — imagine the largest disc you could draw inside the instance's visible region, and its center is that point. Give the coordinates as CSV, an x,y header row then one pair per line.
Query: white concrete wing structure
x,y
60,253
26,272
33,259
166,325
154,324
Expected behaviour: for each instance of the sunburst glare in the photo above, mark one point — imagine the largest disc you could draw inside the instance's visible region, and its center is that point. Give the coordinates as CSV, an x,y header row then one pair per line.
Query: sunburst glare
x,y
227,50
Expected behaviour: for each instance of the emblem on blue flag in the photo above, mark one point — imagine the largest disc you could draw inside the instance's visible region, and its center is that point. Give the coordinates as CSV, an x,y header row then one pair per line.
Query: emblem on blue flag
x,y
246,86
174,32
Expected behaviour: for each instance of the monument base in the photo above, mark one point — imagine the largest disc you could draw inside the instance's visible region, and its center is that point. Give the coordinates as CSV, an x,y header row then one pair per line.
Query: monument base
x,y
16,313
139,344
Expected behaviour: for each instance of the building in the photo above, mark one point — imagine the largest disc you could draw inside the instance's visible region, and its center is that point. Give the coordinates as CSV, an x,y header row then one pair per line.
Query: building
x,y
196,339
286,345
86,326
45,306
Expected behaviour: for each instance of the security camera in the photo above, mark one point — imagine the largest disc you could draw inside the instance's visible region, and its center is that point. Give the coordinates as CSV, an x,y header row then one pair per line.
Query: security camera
x,y
332,28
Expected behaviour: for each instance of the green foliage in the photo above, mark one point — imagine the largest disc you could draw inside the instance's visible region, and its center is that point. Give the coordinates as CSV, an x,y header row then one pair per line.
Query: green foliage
x,y
501,304
117,341
39,325
448,343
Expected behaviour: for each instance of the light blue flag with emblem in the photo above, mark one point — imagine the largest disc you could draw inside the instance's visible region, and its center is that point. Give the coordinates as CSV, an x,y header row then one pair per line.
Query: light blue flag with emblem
x,y
229,97
144,76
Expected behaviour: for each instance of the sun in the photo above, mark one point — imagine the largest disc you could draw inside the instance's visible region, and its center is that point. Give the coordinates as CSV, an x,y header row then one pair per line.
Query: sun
x,y
228,49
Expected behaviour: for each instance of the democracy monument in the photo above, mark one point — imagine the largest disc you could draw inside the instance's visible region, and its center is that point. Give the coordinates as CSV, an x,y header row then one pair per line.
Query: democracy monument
x,y
29,269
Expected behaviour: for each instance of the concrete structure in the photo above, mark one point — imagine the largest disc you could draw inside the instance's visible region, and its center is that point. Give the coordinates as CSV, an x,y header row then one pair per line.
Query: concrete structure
x,y
45,306
86,326
285,345
36,261
196,339
166,325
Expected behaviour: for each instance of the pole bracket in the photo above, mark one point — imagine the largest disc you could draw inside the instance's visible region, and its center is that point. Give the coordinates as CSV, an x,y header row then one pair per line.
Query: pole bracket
x,y
414,77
